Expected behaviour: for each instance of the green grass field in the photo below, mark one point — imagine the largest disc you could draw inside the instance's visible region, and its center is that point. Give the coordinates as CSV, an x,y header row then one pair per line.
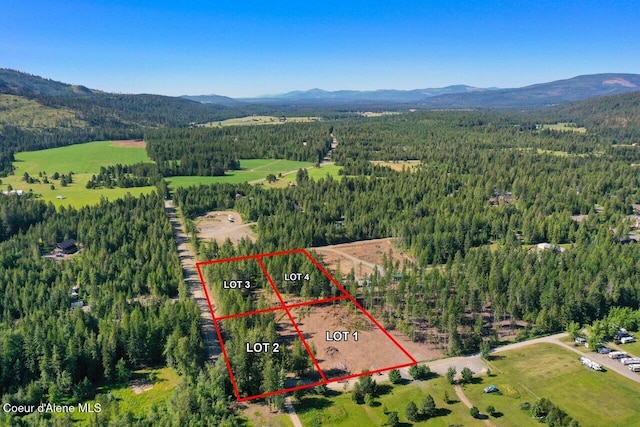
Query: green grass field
x,y
547,370
340,411
565,127
252,170
166,379
261,120
82,159
318,173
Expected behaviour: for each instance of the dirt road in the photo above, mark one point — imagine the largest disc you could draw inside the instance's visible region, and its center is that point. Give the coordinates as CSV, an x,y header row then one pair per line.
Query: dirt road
x,y
295,420
468,403
356,261
190,274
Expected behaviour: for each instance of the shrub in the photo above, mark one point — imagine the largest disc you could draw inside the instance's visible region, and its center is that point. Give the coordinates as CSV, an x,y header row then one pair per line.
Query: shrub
x,y
475,412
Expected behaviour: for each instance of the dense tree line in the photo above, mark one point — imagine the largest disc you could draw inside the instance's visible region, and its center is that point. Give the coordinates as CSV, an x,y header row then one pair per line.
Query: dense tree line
x,y
127,176
18,213
211,151
18,139
69,326
6,163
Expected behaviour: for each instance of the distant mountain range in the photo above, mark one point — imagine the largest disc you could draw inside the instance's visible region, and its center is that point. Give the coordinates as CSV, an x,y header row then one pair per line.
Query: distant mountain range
x,y
456,96
39,113
313,96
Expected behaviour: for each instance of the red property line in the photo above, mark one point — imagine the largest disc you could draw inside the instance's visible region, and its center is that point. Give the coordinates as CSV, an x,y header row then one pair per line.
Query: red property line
x,y
293,322
218,332
286,390
346,295
335,282
296,305
375,371
254,256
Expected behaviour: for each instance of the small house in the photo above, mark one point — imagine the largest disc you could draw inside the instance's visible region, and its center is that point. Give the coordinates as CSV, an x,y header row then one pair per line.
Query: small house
x,y
69,246
550,247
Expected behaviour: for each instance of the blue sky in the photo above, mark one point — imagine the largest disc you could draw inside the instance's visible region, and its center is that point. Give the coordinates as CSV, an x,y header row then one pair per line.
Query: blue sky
x,y
246,48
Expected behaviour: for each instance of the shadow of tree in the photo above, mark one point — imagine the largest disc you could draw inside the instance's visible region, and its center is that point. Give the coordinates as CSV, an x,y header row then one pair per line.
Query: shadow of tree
x,y
309,403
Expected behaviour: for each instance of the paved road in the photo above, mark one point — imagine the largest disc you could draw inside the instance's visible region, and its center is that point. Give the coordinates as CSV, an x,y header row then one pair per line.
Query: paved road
x,y
192,280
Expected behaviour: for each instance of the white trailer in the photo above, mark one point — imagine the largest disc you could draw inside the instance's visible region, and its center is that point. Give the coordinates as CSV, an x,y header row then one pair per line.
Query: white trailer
x,y
617,354
630,360
590,364
634,368
627,340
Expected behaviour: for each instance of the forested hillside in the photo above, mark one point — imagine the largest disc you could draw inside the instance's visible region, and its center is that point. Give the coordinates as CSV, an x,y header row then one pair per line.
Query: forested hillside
x,y
615,115
485,179
41,113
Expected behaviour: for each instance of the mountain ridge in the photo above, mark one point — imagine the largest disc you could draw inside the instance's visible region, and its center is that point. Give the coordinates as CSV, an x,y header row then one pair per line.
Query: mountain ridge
x,y
453,96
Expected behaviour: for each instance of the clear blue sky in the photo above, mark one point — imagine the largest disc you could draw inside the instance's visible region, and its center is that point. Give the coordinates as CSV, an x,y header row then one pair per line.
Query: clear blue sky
x,y
247,48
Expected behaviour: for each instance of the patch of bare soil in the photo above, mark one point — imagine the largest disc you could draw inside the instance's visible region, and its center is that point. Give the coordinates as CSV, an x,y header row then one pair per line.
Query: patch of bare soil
x,y
259,413
139,386
130,143
372,350
420,351
223,225
362,256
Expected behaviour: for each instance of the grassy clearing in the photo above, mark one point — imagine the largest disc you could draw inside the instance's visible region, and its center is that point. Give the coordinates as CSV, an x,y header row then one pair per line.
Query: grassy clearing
x,y
261,120
315,173
380,114
164,380
398,165
547,370
565,127
23,112
259,415
340,411
82,159
253,170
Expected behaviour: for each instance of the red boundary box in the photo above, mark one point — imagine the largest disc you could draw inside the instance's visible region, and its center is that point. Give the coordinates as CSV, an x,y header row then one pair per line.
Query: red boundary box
x,y
345,295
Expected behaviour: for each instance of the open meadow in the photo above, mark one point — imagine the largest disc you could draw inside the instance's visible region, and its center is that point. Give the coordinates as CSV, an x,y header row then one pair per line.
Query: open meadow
x,y
146,387
261,120
338,409
252,170
315,173
547,370
84,160
565,127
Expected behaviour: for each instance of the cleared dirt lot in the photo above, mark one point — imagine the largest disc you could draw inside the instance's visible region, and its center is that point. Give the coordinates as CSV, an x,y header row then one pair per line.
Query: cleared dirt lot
x,y
130,143
217,226
362,256
373,350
